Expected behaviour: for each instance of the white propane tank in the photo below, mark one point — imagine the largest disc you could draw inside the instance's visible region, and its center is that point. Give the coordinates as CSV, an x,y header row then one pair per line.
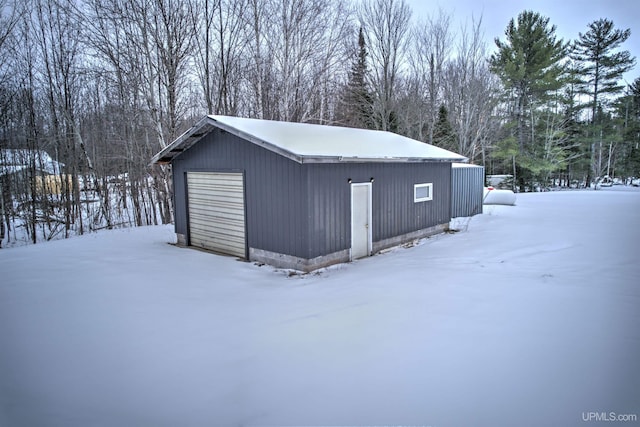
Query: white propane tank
x,y
498,197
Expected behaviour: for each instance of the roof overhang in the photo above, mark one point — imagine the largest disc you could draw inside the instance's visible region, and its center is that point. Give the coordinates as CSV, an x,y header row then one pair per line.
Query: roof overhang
x,y
202,129
183,142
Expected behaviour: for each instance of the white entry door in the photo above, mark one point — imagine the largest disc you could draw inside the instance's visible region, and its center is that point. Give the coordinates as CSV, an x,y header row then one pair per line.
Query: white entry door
x,y
360,220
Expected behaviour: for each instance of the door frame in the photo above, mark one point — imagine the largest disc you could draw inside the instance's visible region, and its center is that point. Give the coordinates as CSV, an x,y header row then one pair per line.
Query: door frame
x,y
369,211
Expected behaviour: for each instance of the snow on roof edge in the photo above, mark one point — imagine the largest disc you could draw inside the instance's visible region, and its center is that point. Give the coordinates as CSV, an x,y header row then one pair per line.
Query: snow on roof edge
x,y
464,165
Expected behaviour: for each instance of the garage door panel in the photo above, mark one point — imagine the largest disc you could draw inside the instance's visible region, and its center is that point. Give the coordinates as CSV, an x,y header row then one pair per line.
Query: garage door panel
x,y
226,190
220,246
222,211
216,221
221,229
233,193
204,233
216,212
224,180
220,218
223,188
224,193
213,205
222,240
217,200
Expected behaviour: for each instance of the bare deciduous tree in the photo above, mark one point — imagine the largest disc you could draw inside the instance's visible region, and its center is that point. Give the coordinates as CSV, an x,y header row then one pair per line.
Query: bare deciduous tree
x,y
386,24
470,90
432,43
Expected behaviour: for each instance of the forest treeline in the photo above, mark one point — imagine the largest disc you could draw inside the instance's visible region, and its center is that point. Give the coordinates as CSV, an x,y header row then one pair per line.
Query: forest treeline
x,y
90,90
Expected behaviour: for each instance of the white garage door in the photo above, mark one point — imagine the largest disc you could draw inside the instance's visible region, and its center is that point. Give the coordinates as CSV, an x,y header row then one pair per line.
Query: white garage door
x,y
216,212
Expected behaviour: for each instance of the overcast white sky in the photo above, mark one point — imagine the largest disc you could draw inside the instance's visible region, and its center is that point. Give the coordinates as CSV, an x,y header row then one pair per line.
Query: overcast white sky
x,y
569,16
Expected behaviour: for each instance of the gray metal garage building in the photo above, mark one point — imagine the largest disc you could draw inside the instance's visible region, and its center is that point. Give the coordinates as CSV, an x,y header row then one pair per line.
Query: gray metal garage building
x,y
304,196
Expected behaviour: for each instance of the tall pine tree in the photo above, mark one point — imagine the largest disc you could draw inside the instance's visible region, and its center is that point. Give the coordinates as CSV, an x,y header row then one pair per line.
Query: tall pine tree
x,y
630,110
602,67
529,64
357,99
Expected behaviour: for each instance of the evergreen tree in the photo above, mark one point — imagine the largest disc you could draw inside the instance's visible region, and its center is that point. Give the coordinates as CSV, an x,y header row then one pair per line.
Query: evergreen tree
x,y
357,100
634,88
577,158
528,63
443,133
602,67
504,156
630,110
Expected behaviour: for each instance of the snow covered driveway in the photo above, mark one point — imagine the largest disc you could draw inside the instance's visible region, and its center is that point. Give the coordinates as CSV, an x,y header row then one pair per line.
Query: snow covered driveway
x,y
529,316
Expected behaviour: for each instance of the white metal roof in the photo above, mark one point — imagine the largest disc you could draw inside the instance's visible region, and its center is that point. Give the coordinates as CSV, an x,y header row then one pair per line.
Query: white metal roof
x,y
304,142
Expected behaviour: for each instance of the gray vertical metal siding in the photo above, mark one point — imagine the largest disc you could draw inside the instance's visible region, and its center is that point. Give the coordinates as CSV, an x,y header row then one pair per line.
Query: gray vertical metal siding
x,y
467,187
275,189
394,211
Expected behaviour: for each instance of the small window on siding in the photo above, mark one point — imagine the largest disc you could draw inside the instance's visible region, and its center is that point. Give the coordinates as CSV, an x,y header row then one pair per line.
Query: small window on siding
x,y
422,192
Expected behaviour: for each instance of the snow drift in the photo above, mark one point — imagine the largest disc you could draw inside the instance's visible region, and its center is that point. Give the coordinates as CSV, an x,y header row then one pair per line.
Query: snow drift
x,y
528,316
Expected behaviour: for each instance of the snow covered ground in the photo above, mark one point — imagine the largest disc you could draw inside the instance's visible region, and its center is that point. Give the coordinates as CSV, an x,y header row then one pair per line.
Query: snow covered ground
x,y
529,316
